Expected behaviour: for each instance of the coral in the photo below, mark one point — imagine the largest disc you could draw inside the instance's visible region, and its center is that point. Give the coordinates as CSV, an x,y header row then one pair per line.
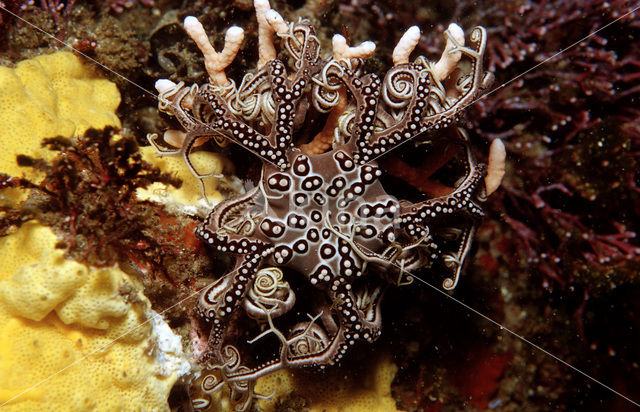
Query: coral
x,y
52,281
58,11
81,334
557,232
215,62
8,10
562,120
47,96
60,310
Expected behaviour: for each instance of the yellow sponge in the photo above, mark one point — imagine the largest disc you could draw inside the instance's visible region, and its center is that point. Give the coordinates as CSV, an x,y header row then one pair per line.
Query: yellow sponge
x,y
333,392
48,96
50,282
80,337
188,198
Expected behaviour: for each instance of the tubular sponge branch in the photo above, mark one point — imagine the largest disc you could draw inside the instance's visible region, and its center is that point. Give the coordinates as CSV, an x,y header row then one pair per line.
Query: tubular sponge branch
x,y
450,58
269,22
215,62
495,167
342,51
406,45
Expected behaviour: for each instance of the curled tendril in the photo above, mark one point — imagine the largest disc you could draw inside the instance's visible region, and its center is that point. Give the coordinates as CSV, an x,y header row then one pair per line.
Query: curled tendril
x,y
227,91
326,85
307,338
249,107
269,295
253,99
464,83
398,87
267,282
253,105
454,263
345,125
210,384
241,390
267,107
231,357
296,40
325,99
176,93
164,98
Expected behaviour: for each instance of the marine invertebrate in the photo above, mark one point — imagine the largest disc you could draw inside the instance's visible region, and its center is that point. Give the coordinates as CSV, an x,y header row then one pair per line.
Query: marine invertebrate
x,y
324,219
